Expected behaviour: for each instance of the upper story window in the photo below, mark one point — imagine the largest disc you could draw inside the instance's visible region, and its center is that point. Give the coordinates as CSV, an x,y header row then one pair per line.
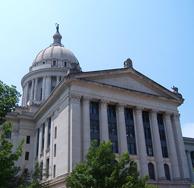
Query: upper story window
x,y
162,135
27,156
130,131
192,158
49,133
147,133
94,121
37,142
64,63
43,134
27,139
43,62
55,132
112,127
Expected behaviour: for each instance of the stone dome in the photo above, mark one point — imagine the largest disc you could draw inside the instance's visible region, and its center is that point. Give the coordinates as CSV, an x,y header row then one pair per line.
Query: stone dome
x,y
56,55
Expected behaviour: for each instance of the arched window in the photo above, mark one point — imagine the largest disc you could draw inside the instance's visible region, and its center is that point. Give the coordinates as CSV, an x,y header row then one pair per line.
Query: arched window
x,y
151,171
167,171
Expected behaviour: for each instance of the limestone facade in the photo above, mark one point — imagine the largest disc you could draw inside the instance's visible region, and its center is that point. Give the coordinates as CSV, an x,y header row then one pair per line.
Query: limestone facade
x,y
134,112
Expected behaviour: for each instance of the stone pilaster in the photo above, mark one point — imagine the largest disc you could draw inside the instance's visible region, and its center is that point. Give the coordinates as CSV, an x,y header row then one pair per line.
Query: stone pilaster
x,y
141,142
157,145
75,130
180,146
172,147
104,135
122,137
86,125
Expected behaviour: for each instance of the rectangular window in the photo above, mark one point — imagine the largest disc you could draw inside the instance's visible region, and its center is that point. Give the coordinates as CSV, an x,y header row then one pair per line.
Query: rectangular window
x,y
130,131
27,156
55,132
147,133
43,134
54,171
37,142
55,150
112,127
94,121
192,158
49,133
47,168
162,135
27,139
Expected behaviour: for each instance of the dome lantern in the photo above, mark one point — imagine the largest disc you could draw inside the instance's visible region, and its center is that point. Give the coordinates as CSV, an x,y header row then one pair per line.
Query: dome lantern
x,y
57,37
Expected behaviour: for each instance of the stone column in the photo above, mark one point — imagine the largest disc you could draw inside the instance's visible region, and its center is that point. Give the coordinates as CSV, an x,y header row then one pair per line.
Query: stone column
x,y
75,130
35,88
122,136
43,87
180,146
32,91
24,95
157,145
141,142
86,126
104,135
40,142
172,147
188,153
58,80
47,86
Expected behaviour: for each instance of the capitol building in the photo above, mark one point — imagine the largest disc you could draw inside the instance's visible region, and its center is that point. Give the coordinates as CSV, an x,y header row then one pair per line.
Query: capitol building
x,y
64,109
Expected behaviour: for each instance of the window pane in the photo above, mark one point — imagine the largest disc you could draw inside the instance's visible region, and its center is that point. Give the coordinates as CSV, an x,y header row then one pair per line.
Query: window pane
x,y
130,132
112,127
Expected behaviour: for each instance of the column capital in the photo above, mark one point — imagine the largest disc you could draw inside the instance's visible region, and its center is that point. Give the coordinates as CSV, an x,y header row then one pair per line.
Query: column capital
x,y
120,107
75,96
103,101
86,98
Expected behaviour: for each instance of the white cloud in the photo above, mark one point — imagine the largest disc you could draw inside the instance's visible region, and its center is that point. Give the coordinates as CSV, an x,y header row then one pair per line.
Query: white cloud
x,y
188,130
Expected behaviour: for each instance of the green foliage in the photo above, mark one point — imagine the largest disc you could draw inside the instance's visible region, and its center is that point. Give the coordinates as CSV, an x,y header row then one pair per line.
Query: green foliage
x,y
9,98
8,157
35,183
103,169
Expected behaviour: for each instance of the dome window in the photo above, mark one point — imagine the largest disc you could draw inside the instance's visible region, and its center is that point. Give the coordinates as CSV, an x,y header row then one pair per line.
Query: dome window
x,y
64,63
43,62
54,64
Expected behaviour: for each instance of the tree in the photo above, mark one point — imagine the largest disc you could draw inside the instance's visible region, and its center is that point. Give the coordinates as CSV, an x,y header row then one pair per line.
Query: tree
x,y
104,169
9,98
8,171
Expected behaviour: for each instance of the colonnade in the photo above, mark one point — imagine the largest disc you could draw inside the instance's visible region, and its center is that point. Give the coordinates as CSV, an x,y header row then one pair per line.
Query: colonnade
x,y
38,89
176,159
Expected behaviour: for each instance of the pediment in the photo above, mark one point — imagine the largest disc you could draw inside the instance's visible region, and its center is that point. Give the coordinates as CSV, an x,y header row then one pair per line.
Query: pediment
x,y
128,79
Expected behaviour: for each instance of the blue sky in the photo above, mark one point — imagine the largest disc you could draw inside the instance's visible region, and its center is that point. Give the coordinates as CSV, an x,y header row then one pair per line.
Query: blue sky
x,y
157,35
